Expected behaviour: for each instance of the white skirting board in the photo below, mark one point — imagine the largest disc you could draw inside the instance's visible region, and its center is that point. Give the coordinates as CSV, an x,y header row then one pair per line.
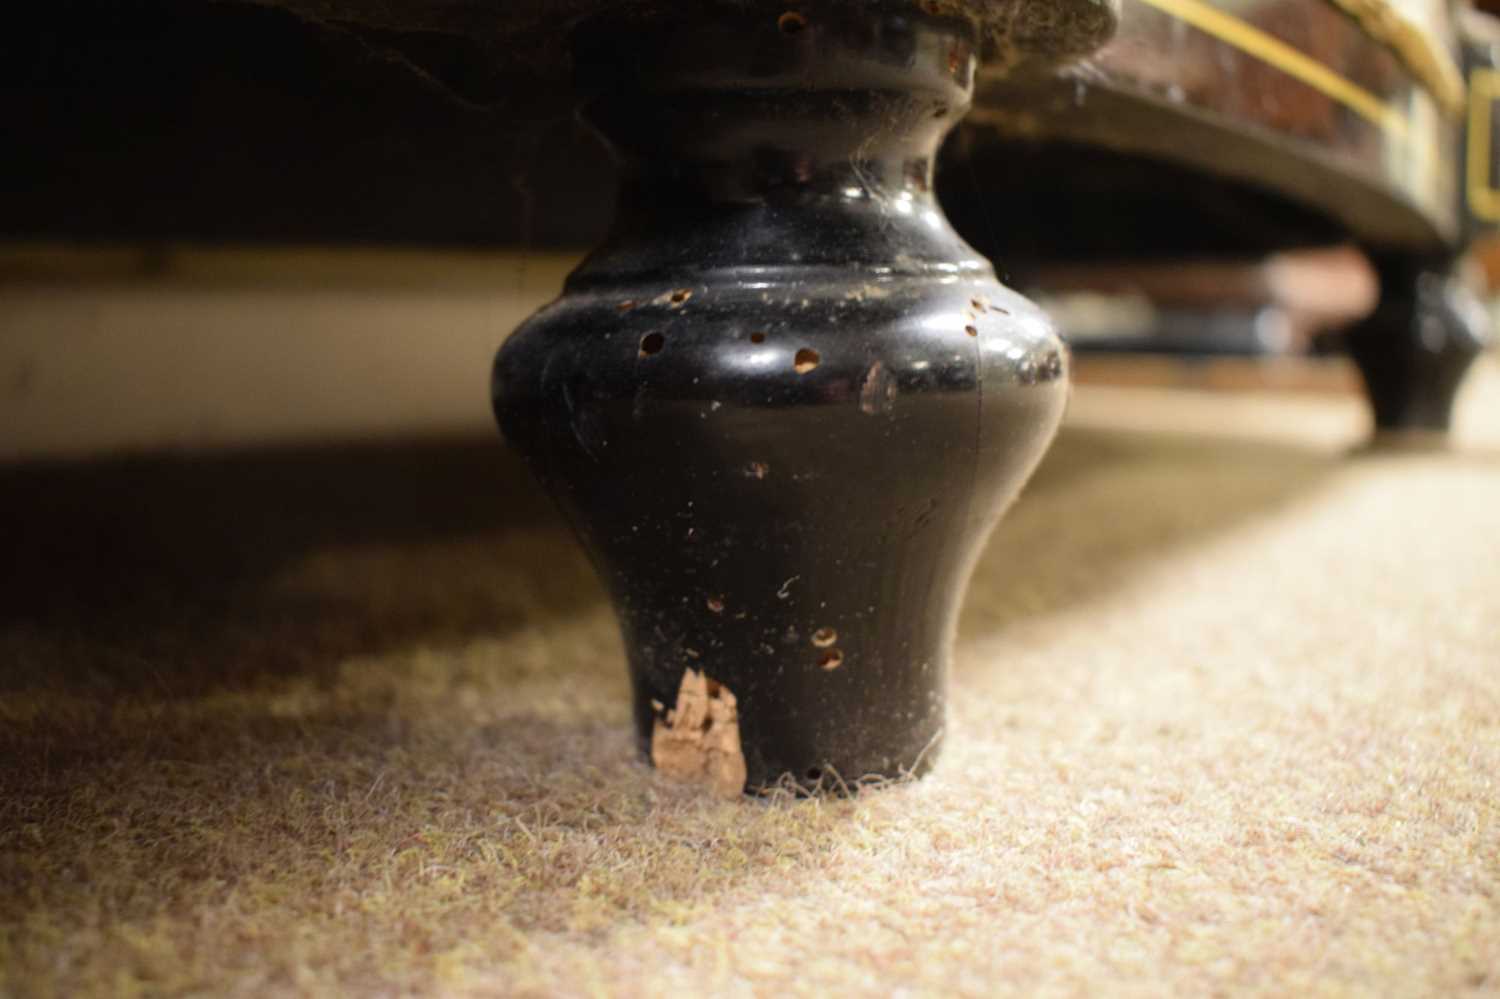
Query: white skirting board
x,y
106,351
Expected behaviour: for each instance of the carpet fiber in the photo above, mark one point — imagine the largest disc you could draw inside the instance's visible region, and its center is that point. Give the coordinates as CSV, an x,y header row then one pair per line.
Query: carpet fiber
x,y
1226,718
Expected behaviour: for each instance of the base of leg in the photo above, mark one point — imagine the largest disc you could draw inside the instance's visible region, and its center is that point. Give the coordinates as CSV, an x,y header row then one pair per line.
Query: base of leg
x,y
1410,440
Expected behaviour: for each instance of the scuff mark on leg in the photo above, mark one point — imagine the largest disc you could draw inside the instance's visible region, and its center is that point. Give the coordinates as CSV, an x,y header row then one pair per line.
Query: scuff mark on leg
x,y
878,391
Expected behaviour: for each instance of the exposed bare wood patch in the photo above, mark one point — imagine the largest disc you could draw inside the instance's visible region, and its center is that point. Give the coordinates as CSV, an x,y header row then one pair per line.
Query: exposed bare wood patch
x,y
699,740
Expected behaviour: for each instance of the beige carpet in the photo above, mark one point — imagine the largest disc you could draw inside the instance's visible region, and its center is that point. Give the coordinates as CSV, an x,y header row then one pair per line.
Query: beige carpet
x,y
1226,721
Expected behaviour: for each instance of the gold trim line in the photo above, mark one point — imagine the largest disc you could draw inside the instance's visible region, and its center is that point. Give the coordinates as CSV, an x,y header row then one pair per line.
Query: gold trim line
x,y
1269,49
1418,44
1484,88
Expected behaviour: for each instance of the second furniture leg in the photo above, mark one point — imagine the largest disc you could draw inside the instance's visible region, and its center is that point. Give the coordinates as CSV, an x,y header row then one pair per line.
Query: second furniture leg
x,y
1414,350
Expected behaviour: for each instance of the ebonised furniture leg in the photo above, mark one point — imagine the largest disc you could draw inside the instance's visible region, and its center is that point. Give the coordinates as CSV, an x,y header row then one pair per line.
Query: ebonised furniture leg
x,y
784,403
1415,349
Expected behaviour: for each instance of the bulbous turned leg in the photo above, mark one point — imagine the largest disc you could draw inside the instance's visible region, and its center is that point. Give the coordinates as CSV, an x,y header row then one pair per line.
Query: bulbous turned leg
x,y
784,404
1415,349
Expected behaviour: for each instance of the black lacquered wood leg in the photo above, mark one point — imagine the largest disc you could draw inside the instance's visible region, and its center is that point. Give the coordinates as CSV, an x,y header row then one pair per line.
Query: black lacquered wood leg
x,y
784,404
1415,349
